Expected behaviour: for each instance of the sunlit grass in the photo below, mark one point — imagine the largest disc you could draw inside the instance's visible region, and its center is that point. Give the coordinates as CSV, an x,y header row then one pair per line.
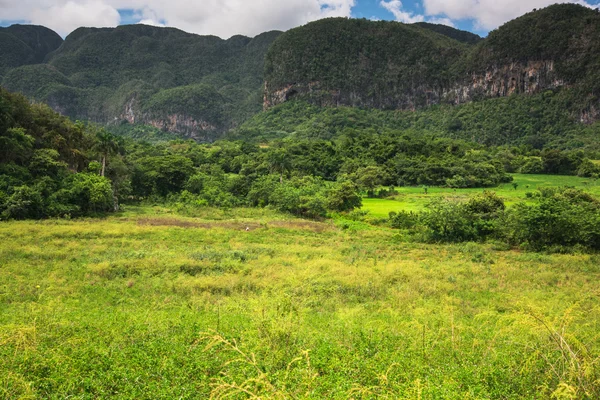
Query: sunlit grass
x,y
149,304
415,199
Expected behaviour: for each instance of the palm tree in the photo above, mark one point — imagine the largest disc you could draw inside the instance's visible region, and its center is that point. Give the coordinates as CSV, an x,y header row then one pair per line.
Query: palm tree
x,y
280,162
107,145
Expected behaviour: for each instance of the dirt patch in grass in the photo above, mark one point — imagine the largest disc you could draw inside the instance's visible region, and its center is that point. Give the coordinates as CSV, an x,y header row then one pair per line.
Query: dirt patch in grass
x,y
238,226
302,225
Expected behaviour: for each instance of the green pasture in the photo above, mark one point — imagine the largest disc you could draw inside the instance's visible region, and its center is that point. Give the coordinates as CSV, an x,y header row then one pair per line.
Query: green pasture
x,y
252,304
415,199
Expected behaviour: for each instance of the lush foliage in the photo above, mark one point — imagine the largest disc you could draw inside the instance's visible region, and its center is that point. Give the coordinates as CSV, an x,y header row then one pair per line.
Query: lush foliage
x,y
45,165
553,219
24,45
152,72
540,121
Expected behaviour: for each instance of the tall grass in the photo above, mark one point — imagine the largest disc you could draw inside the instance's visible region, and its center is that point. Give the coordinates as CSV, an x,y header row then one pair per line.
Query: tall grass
x,y
200,307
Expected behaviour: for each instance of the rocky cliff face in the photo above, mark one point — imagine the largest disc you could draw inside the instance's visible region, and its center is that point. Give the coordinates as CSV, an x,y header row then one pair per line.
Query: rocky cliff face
x,y
186,125
498,81
407,67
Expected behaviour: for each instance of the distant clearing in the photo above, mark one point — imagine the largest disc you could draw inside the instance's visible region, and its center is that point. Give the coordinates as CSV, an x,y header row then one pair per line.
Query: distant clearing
x,y
415,199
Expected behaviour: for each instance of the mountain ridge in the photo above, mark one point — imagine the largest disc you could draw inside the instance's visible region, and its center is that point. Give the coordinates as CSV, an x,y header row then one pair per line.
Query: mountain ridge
x,y
203,86
557,46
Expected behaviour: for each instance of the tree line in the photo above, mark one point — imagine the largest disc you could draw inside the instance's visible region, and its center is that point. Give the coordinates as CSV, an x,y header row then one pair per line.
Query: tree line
x,y
53,167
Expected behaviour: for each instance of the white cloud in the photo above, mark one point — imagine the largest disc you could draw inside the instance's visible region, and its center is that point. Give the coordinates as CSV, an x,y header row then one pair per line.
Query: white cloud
x,y
148,17
217,17
150,22
63,16
395,7
487,14
228,17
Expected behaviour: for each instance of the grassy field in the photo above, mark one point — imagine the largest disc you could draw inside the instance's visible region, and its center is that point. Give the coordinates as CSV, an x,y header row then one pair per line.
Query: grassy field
x,y
414,198
249,303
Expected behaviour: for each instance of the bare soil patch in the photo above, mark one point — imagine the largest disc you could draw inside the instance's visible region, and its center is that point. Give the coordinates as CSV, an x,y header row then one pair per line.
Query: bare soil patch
x,y
238,226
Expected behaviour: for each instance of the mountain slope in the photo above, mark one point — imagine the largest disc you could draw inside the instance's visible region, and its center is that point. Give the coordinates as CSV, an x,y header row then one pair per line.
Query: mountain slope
x,y
25,44
397,66
119,74
452,33
379,64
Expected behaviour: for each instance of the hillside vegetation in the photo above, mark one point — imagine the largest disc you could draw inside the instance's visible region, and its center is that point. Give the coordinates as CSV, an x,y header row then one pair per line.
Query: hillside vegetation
x,y
138,73
202,86
25,44
537,122
388,65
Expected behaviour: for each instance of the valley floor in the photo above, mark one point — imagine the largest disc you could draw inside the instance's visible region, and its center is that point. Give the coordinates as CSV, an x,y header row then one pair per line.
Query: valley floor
x,y
415,199
148,304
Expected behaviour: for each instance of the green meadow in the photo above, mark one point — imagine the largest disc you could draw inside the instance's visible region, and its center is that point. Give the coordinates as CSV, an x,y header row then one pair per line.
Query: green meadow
x,y
415,198
249,303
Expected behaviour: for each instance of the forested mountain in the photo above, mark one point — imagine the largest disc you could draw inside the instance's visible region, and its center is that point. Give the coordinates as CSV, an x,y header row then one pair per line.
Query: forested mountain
x,y
25,44
203,86
380,64
195,85
394,66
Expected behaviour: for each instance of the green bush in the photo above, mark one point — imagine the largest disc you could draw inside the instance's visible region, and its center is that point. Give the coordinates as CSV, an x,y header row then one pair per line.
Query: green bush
x,y
344,196
24,202
559,219
448,221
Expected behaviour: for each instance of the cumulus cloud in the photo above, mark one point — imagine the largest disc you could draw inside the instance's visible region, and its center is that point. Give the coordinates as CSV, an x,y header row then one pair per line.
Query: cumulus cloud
x,y
148,17
65,17
488,14
396,8
217,17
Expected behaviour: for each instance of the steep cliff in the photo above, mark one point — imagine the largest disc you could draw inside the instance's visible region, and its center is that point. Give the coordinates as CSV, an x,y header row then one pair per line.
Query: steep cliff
x,y
389,65
378,64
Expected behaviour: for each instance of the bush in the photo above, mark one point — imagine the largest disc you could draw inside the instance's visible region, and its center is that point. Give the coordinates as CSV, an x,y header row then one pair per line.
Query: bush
x,y
532,165
344,196
448,221
24,202
88,192
403,220
560,218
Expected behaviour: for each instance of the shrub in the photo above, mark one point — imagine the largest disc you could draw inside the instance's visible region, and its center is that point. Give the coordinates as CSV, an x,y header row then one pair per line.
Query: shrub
x,y
24,202
344,196
448,221
560,218
404,220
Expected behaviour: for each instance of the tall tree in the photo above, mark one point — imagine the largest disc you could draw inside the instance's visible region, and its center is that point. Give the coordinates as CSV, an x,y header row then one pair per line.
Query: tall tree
x,y
107,145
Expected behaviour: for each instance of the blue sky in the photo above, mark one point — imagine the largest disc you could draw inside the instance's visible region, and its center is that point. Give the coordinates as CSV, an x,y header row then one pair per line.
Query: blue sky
x,y
225,18
372,9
